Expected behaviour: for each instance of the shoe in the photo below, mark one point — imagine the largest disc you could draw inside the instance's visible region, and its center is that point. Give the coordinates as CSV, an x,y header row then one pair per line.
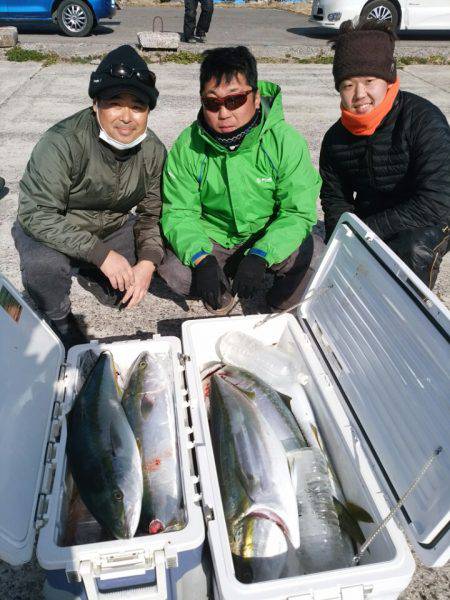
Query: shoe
x,y
101,290
227,303
69,331
2,183
201,39
190,40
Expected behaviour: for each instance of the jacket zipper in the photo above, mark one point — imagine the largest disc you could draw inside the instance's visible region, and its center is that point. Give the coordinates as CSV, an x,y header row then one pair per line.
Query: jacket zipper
x,y
370,163
118,171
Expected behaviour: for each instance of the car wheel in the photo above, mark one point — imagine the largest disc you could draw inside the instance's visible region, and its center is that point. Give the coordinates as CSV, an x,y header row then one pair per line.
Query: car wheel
x,y
381,10
75,18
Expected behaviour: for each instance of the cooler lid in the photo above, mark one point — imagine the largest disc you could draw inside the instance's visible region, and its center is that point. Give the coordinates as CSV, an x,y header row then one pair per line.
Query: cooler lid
x,y
30,359
385,337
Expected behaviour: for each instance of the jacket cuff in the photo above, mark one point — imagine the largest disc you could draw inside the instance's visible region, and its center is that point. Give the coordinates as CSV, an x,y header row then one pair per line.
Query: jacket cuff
x,y
198,257
258,252
98,253
155,256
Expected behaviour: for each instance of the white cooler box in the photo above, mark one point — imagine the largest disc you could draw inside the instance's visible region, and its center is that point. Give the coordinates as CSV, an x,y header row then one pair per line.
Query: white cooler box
x,y
375,343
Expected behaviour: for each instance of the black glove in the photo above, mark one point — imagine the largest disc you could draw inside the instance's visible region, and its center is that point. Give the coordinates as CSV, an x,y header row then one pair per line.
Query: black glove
x,y
210,281
249,275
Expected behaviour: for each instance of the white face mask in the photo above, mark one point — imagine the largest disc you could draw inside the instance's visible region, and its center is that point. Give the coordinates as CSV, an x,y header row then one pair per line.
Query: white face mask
x,y
119,145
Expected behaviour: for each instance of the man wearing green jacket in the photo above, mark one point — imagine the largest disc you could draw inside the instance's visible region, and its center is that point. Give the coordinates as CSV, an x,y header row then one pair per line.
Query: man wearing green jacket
x,y
85,176
239,192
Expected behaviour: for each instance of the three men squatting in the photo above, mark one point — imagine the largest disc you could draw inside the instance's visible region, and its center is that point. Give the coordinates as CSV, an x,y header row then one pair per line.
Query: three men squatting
x,y
237,194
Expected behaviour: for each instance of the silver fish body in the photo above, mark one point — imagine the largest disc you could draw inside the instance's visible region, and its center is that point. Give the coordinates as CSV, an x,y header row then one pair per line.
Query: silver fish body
x,y
254,480
102,452
148,403
269,402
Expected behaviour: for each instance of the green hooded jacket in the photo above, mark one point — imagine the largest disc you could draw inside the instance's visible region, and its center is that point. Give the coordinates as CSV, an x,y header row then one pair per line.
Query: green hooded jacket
x,y
74,192
266,187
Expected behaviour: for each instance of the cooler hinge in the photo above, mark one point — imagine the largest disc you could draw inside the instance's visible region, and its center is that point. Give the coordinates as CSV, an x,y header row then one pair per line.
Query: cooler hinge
x,y
50,452
183,359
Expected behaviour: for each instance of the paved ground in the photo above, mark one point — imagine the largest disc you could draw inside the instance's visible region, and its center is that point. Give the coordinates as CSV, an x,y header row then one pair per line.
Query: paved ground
x,y
33,98
288,33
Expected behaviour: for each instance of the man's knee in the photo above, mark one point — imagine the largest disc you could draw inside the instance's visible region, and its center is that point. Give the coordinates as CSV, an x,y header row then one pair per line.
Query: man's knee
x,y
38,260
422,250
176,275
308,254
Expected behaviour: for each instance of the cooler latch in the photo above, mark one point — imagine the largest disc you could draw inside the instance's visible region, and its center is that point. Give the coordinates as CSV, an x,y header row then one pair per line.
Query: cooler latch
x,y
353,592
127,565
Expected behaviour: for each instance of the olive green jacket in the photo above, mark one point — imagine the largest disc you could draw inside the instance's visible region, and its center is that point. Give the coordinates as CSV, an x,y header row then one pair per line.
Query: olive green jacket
x,y
75,192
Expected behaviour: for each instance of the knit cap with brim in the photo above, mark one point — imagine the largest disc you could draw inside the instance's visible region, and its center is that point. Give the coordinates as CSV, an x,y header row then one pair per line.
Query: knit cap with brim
x,y
104,85
364,53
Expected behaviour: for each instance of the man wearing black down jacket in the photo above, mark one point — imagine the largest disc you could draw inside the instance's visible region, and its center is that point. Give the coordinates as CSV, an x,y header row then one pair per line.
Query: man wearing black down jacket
x,y
387,159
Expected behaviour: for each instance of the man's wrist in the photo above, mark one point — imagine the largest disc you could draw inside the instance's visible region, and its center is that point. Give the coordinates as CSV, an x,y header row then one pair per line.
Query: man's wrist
x,y
146,265
257,252
198,258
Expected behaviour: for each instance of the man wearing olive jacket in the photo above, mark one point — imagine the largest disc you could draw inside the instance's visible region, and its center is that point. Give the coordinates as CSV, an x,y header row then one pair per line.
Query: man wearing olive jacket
x,y
85,176
239,192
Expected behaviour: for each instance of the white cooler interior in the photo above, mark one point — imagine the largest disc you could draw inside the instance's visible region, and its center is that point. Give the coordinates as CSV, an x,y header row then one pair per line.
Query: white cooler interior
x,y
53,551
343,448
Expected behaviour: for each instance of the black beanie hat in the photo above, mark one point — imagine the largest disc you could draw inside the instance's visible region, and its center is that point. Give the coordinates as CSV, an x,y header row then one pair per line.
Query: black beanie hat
x,y
105,85
364,52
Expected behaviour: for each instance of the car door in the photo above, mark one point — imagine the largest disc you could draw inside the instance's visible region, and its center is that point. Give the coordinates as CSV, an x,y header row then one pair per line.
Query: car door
x,y
3,9
29,8
429,14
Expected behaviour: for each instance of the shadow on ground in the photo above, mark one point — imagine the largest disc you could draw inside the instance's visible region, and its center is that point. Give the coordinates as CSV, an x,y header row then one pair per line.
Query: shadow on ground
x,y
318,33
4,192
53,29
324,33
416,35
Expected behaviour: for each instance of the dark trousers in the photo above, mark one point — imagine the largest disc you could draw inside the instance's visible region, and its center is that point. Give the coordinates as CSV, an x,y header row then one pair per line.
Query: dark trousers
x,y
422,249
291,275
190,15
47,273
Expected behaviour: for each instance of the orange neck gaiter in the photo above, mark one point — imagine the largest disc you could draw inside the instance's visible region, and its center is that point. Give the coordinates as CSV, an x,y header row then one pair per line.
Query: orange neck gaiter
x,y
367,124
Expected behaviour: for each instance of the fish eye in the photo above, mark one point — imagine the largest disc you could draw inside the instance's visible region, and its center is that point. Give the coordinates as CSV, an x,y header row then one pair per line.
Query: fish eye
x,y
117,495
142,364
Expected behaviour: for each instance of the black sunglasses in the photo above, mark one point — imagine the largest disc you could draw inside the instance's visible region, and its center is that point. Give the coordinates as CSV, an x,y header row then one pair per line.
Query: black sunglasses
x,y
124,72
231,102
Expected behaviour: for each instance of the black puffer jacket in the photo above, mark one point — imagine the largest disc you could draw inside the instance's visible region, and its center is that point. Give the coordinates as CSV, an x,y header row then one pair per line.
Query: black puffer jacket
x,y
396,179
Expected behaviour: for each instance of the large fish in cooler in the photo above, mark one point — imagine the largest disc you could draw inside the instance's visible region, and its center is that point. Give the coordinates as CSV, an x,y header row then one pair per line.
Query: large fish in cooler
x,y
149,405
102,452
258,497
270,404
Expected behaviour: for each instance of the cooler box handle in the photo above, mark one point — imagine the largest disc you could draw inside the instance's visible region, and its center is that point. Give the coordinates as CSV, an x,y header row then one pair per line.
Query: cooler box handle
x,y
156,591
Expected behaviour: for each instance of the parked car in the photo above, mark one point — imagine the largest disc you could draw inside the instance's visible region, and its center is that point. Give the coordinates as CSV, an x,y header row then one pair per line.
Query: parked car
x,y
403,14
75,18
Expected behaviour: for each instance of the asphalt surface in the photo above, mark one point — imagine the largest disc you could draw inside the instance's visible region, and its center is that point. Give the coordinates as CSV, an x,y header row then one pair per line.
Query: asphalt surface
x,y
33,98
268,32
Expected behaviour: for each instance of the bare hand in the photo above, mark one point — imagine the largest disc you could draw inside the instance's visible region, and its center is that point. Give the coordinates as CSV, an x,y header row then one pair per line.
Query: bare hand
x,y
143,273
118,270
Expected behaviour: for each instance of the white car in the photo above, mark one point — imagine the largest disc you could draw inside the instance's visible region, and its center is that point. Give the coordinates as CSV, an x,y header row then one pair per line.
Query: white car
x,y
403,14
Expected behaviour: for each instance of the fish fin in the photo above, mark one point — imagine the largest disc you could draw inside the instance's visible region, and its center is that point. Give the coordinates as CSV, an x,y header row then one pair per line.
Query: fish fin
x,y
286,399
139,447
348,522
316,435
115,440
358,512
147,404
